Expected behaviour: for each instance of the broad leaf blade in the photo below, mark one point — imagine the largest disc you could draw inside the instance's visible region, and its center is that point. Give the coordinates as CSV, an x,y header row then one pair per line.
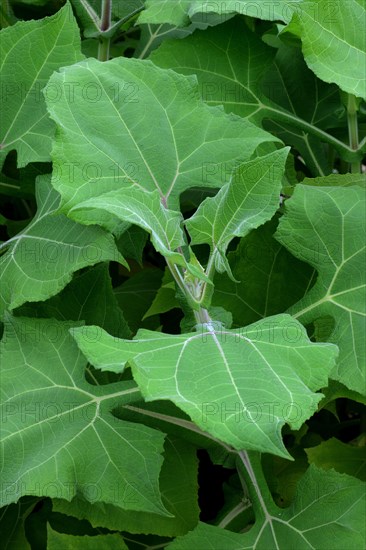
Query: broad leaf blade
x,y
229,65
63,541
179,12
166,147
90,298
325,226
12,518
58,431
247,201
41,259
178,485
228,394
328,507
334,41
286,84
30,52
143,209
343,457
136,295
236,69
270,279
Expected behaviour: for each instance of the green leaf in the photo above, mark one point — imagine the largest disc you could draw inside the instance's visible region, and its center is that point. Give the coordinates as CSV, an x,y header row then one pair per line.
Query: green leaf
x,y
179,12
143,209
325,226
334,41
286,83
115,151
90,298
30,52
328,507
62,541
41,259
228,394
344,458
333,180
136,295
249,199
230,66
270,278
132,242
12,518
165,299
58,434
336,390
178,485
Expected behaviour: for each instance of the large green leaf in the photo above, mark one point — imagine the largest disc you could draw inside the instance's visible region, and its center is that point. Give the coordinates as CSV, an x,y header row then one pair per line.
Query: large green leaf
x,y
247,201
143,209
252,381
286,83
325,226
328,512
89,297
177,143
136,295
63,541
41,259
30,52
179,12
58,434
334,41
178,485
12,518
230,66
268,279
343,457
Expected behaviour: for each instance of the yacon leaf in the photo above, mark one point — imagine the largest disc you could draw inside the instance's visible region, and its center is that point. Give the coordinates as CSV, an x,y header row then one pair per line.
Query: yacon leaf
x,y
30,52
328,512
179,12
247,201
41,259
334,41
59,437
325,226
249,384
176,143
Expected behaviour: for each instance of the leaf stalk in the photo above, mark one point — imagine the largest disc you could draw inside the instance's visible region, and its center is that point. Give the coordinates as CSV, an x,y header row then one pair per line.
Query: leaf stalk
x,y
104,41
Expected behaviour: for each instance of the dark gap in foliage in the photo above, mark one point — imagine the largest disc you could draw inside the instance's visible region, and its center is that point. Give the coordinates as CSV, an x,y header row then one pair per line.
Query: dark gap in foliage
x,y
96,377
171,321
150,255
211,478
325,424
34,11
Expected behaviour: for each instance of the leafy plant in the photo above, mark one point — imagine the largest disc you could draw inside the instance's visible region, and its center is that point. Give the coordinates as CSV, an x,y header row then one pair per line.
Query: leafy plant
x,y
183,274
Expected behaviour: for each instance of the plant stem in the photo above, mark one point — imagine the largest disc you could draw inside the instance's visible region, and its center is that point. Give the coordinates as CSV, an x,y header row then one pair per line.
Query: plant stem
x,y
342,148
252,476
202,316
5,14
352,108
104,42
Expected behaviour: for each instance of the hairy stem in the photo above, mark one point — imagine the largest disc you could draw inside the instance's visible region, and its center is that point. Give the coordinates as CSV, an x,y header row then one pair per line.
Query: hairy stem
x,y
104,42
353,130
342,148
251,473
